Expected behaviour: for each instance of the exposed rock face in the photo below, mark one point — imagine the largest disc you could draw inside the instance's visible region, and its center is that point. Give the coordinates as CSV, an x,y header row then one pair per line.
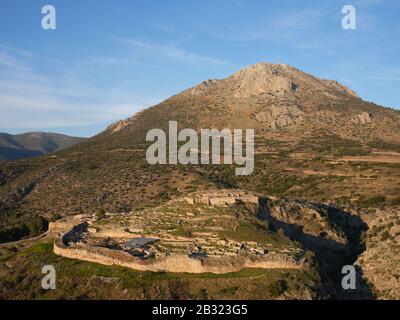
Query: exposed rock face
x,y
262,78
278,80
203,87
380,263
118,126
332,234
336,85
122,124
280,116
314,218
363,118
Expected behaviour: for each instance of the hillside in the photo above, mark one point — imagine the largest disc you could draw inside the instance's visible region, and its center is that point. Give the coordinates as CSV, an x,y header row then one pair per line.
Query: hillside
x,y
315,141
33,144
317,120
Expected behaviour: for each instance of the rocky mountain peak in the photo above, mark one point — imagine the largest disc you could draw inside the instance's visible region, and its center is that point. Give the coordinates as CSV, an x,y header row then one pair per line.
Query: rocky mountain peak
x,y
268,78
268,97
262,69
264,77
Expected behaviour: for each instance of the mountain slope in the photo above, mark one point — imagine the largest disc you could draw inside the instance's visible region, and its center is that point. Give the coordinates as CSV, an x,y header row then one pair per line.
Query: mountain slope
x,y
318,118
32,144
314,140
272,99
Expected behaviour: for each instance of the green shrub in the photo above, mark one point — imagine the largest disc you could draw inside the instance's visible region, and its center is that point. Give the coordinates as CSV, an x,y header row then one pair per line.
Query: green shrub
x,y
277,288
396,201
100,214
37,226
371,202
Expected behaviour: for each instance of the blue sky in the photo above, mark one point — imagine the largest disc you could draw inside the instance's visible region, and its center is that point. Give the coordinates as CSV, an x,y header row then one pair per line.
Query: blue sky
x,y
108,59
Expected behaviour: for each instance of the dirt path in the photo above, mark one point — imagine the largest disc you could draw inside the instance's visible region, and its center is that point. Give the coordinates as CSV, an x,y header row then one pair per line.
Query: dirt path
x,y
6,244
382,157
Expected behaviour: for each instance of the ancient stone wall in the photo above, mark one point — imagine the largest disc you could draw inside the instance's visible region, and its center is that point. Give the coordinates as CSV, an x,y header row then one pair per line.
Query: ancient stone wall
x,y
66,224
68,234
222,198
172,263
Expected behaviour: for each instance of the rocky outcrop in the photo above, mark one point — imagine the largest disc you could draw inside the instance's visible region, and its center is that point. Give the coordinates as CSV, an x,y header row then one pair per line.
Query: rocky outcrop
x,y
332,234
122,124
363,118
203,87
118,126
380,264
275,80
261,78
338,86
277,117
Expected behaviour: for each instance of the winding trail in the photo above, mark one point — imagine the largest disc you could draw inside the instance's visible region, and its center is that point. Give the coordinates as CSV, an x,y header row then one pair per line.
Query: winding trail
x,y
40,236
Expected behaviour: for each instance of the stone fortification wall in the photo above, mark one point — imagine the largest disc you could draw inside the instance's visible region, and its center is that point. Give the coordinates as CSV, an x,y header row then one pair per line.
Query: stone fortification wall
x,y
171,263
221,198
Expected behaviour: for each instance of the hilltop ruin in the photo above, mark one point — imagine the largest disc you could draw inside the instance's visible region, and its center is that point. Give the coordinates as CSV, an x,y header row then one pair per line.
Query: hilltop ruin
x,y
157,239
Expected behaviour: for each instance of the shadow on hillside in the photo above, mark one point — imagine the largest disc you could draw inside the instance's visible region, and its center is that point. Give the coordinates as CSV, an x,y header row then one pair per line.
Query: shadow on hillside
x,y
331,255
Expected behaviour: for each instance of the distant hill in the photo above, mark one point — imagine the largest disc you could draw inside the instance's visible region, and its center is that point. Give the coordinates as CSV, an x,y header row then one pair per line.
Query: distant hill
x,y
33,144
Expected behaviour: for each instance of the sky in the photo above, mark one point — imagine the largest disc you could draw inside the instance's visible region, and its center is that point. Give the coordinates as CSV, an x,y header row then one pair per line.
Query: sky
x,y
108,59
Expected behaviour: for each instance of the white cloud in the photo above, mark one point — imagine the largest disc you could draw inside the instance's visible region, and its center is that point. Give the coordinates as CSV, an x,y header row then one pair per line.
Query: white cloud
x,y
281,27
30,99
8,61
170,51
